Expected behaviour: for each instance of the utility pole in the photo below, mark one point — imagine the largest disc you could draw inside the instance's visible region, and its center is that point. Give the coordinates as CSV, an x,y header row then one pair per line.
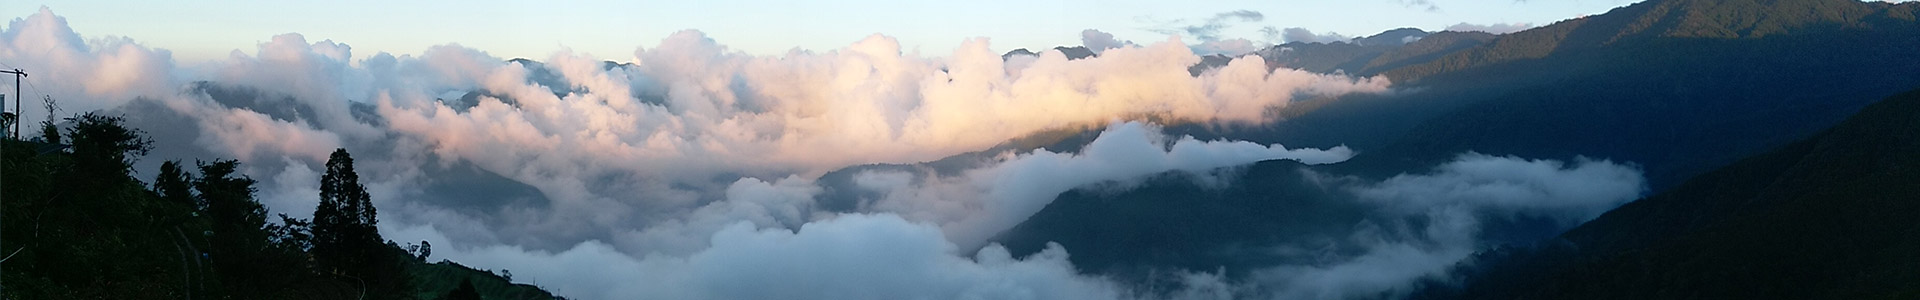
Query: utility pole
x,y
17,74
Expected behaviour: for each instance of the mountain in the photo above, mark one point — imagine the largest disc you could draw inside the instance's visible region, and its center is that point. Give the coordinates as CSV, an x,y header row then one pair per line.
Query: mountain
x,y
1674,87
1072,53
1676,104
1344,57
1426,49
1827,217
1169,222
1652,21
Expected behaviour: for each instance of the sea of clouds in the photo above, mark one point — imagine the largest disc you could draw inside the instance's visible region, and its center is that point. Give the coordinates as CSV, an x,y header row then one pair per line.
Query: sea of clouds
x,y
688,170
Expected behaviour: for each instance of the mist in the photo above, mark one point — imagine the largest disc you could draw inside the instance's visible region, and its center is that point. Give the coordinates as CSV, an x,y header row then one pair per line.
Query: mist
x,y
689,170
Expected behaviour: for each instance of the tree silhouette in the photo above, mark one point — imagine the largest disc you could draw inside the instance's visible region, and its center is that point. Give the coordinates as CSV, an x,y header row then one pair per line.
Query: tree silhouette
x,y
175,185
82,227
343,223
346,241
239,227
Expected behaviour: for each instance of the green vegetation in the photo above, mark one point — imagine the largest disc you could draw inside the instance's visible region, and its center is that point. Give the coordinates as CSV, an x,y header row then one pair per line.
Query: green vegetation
x,y
79,225
1671,19
1677,105
1828,217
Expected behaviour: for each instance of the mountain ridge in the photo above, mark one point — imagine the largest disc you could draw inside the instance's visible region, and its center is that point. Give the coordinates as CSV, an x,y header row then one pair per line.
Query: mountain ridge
x,y
1807,220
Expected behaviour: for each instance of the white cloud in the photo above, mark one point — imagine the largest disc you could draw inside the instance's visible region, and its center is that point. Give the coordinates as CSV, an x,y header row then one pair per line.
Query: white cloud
x,y
1302,35
986,201
855,256
689,173
1453,203
1100,41
1228,47
1496,28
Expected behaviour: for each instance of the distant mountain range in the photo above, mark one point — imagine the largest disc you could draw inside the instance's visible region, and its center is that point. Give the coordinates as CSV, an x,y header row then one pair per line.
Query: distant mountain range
x,y
1827,217
1677,87
1360,56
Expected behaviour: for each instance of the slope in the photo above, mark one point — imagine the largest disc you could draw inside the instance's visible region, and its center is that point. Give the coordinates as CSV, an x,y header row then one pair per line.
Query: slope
x,y
1828,217
1676,103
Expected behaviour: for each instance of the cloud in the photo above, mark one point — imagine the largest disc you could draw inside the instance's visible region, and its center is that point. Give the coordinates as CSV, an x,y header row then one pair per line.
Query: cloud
x,y
1429,222
855,256
1302,35
664,156
986,201
1209,28
763,240
1496,28
1568,193
1228,47
1423,4
83,75
689,170
1100,41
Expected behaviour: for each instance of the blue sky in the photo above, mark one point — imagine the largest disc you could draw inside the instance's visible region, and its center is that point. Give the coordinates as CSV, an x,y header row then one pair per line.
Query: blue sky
x,y
198,30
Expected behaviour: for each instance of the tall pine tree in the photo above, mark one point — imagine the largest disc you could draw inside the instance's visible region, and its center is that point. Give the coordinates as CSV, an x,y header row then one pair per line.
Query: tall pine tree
x,y
343,224
239,227
346,241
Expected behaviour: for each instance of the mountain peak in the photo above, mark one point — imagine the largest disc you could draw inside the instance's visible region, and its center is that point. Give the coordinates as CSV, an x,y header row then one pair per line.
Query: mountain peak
x,y
1673,19
1733,19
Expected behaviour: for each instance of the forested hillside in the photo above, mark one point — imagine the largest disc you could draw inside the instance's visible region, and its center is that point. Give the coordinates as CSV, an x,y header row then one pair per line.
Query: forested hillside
x,y
78,224
1828,217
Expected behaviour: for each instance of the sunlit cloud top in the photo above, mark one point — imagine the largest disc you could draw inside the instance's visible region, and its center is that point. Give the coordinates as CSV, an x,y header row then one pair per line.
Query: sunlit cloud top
x,y
198,30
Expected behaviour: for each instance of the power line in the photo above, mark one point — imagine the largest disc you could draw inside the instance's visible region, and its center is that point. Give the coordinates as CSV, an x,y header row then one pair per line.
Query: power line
x,y
17,116
17,75
3,285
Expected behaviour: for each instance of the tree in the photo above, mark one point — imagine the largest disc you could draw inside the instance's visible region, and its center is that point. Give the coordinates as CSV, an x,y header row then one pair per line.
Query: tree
x,y
344,229
420,251
238,226
346,241
175,185
102,146
89,232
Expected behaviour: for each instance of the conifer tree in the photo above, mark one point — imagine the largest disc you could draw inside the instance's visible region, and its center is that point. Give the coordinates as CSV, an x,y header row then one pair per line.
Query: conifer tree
x,y
346,241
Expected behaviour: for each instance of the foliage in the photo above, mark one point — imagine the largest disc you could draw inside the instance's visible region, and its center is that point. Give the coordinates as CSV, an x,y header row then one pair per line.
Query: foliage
x,y
438,279
85,228
346,241
1828,217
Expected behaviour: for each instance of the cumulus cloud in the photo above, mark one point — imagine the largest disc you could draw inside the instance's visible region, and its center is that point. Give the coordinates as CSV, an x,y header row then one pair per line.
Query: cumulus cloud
x,y
687,150
105,72
764,240
987,201
1495,28
1100,41
689,170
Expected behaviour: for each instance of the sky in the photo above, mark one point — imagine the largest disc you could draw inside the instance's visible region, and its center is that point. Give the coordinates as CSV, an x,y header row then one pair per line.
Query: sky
x,y
201,30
